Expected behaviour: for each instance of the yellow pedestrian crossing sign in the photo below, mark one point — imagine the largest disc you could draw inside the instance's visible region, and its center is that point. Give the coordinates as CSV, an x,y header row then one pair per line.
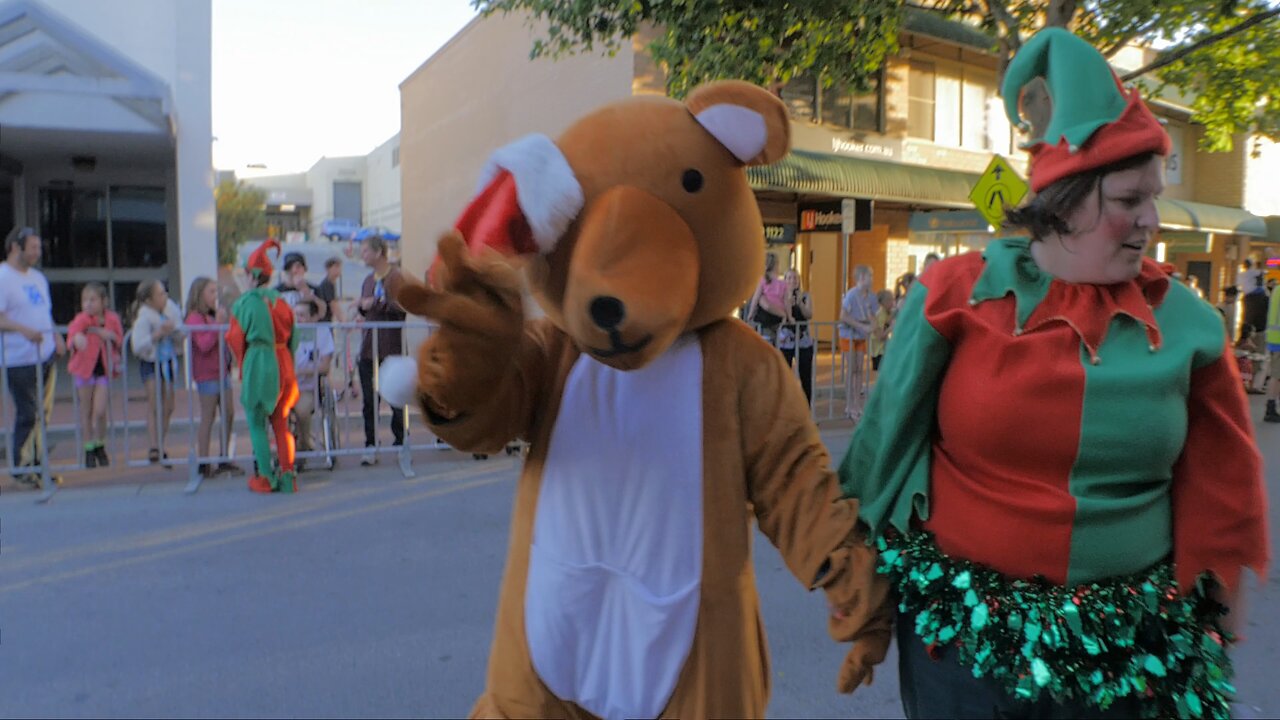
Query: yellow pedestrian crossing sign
x,y
999,187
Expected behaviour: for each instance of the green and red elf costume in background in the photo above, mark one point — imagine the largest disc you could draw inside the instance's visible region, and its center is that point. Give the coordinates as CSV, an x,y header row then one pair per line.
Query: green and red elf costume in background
x,y
263,339
1057,474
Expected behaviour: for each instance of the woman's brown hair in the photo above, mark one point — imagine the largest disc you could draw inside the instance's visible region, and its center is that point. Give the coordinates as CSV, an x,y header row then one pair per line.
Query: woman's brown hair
x,y
1047,212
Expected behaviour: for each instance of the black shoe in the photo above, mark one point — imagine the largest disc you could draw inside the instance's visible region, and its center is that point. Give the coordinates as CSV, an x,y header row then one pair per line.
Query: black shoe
x,y
231,468
90,459
300,466
101,452
1271,417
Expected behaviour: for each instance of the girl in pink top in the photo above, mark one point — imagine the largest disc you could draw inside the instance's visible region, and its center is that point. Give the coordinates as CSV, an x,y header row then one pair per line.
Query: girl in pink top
x,y
210,369
95,336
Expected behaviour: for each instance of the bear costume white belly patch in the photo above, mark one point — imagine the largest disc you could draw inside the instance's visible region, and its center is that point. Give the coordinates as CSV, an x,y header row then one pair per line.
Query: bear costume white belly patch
x,y
616,562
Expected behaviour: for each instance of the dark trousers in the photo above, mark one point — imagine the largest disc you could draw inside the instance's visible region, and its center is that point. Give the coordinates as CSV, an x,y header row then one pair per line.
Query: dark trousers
x,y
806,369
370,396
24,389
943,688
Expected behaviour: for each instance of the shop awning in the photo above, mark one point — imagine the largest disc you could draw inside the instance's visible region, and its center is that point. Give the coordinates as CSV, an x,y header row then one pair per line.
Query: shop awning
x,y
844,176
1200,217
805,171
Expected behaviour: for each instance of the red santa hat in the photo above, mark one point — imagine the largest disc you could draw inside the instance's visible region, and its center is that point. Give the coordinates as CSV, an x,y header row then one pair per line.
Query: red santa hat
x,y
527,200
259,264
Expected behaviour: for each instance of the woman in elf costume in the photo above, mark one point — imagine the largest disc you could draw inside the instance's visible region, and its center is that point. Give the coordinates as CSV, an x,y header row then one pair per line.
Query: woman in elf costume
x,y
1057,463
263,340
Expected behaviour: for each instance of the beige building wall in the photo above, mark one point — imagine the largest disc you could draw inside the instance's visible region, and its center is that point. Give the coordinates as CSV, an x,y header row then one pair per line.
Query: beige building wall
x,y
1219,176
1262,178
475,94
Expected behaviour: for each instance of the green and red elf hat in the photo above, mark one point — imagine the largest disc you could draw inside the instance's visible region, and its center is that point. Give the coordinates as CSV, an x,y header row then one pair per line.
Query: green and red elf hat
x,y
259,263
1093,120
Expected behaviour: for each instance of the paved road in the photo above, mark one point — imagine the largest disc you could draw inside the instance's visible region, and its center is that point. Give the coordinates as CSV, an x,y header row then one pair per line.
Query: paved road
x,y
367,595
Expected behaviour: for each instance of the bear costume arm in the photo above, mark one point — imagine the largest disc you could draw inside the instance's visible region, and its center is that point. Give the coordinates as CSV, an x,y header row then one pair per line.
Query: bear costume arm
x,y
798,504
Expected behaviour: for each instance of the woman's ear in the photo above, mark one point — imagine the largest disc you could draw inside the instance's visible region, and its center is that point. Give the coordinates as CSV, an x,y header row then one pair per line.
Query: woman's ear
x,y
746,119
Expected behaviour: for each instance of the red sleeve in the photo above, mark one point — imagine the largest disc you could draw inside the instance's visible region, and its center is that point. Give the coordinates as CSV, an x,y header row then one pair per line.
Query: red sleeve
x,y
1219,498
204,340
79,324
235,340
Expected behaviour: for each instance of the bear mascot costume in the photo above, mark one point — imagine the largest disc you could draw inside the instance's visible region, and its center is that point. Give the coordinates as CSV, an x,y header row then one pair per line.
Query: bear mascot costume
x,y
659,426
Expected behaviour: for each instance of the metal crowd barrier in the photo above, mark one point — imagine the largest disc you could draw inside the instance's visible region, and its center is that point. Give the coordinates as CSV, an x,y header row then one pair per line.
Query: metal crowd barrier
x,y
829,371
337,410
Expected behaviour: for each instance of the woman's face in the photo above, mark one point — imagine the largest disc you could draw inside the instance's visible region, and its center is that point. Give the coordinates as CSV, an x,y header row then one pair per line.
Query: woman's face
x,y
1113,226
209,297
793,280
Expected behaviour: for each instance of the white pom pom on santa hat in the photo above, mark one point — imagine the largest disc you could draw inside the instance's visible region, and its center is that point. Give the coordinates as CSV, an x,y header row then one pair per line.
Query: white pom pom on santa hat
x,y
398,380
545,199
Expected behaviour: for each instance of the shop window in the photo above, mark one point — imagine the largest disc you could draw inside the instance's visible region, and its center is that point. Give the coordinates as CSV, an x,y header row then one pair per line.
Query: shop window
x,y
800,97
65,298
122,296
139,227
73,228
921,99
847,110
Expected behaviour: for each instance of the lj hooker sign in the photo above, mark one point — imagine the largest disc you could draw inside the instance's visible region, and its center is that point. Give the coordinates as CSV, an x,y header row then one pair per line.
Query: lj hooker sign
x,y
831,216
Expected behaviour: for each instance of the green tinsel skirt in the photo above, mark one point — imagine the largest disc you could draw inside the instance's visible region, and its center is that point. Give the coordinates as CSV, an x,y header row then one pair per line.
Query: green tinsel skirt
x,y
1129,636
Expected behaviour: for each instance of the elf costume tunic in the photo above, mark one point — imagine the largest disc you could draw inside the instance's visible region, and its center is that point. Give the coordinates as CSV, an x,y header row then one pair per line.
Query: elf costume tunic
x,y
263,339
1057,473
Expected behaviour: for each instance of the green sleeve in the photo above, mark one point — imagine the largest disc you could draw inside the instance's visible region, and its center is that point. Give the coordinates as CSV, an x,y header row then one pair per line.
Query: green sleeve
x,y
887,464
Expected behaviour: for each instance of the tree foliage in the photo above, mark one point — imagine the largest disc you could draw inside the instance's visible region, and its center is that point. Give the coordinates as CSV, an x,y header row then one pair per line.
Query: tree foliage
x,y
241,216
1223,53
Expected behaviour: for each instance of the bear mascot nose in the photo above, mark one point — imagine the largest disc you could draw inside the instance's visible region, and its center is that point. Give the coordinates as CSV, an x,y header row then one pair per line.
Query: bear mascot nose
x,y
607,312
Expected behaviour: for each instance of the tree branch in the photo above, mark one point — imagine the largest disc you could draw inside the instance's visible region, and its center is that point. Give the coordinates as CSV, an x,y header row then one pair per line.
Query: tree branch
x,y
998,10
1173,56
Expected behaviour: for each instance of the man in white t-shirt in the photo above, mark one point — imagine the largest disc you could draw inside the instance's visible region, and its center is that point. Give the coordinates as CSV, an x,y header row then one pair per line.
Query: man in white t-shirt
x,y
310,362
28,343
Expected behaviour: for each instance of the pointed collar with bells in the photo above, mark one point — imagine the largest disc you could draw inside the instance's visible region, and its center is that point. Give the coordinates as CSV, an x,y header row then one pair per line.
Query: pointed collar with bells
x,y
1040,299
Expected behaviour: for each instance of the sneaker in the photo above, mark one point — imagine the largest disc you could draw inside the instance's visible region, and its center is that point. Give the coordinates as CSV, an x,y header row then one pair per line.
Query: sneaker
x,y
369,458
406,462
103,460
230,468
91,458
1271,418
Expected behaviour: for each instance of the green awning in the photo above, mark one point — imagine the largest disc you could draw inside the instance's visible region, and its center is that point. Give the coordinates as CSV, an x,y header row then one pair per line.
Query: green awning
x,y
805,171
1199,217
846,176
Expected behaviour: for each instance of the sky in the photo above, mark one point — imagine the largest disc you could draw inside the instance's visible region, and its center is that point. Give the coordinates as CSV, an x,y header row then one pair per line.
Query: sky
x,y
297,80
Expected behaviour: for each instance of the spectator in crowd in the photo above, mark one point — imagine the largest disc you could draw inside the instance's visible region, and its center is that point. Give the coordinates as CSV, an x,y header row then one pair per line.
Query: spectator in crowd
x,y
330,288
767,308
96,337
929,260
1247,352
294,287
377,305
156,338
1273,352
1253,290
311,360
880,327
857,313
1228,308
29,343
794,336
211,371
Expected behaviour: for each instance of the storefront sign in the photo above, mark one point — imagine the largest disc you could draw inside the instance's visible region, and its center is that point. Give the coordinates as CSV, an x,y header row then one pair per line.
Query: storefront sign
x,y
853,147
830,216
952,221
780,233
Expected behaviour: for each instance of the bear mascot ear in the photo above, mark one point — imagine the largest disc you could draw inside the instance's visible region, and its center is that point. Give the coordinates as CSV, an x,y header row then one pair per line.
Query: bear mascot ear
x,y
748,120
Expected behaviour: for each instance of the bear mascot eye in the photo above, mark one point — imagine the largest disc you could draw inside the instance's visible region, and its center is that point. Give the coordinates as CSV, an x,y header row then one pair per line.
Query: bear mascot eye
x,y
691,180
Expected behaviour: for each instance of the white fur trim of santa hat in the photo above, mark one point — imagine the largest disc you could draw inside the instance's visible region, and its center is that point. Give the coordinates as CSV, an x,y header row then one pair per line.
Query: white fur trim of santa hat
x,y
546,188
398,380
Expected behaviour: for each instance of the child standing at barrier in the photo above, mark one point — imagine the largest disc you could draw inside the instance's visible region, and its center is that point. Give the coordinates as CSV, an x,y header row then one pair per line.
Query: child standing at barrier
x,y
156,339
263,338
311,362
211,371
95,336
